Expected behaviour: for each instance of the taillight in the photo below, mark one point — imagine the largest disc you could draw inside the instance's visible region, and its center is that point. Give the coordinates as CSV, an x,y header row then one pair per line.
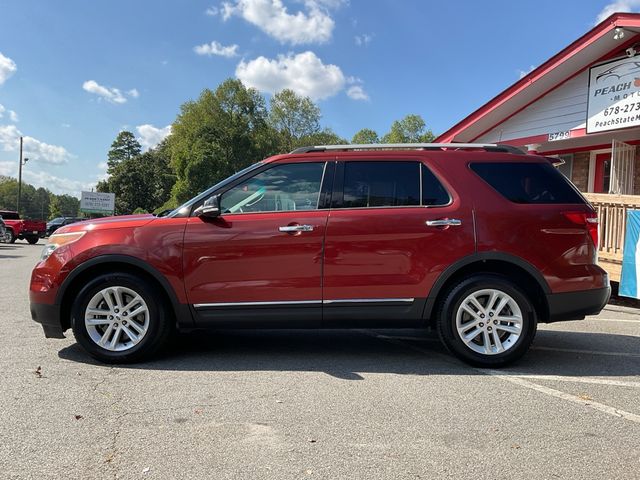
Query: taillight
x,y
589,220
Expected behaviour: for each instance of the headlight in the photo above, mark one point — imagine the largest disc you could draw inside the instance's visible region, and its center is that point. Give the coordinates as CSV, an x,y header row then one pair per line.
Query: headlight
x,y
58,240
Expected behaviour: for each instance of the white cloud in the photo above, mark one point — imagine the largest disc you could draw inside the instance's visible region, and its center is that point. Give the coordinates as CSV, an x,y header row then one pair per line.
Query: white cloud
x,y
304,73
356,92
363,40
103,165
40,178
33,148
7,68
13,116
211,11
618,6
151,136
110,94
524,73
65,125
216,48
272,17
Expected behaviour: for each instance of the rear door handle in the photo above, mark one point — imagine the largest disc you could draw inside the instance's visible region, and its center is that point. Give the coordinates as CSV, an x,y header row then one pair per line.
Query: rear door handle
x,y
444,222
296,228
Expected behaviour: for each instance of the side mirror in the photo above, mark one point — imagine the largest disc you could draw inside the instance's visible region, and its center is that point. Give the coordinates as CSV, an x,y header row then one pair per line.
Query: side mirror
x,y
210,208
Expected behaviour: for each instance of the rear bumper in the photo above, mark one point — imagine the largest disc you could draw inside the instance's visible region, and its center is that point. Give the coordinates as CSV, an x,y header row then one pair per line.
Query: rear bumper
x,y
576,305
49,317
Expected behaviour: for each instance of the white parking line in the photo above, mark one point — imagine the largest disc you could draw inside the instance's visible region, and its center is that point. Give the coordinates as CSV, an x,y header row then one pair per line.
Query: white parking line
x,y
623,320
616,412
588,352
566,378
601,407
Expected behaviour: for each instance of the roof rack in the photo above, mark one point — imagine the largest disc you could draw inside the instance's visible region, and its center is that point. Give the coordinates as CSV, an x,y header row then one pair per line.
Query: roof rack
x,y
489,147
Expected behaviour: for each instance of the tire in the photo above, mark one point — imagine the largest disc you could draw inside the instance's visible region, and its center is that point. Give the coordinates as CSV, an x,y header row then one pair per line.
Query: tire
x,y
11,236
506,336
152,323
32,240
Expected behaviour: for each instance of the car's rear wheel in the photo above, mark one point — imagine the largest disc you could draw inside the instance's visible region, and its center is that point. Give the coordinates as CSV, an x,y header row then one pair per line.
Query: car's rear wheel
x,y
11,237
487,321
120,318
32,240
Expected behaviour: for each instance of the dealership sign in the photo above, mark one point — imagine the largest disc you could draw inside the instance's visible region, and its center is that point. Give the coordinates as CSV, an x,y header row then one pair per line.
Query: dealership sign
x,y
614,95
97,202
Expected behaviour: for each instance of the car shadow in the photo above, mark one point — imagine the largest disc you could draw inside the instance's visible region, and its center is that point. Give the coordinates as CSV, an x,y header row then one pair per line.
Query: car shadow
x,y
347,354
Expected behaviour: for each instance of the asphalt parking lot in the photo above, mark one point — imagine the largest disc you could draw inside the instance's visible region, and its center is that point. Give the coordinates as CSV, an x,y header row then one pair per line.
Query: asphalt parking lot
x,y
353,404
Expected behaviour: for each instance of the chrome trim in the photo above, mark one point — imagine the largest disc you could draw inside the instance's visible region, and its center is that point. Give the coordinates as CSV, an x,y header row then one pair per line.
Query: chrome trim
x,y
369,300
450,222
257,304
296,228
304,302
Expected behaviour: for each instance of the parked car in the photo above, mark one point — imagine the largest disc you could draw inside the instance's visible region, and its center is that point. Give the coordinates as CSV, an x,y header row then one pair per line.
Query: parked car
x,y
56,223
19,229
480,241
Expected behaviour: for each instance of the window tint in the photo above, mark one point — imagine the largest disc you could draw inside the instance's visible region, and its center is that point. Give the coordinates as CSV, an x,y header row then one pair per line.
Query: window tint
x,y
381,184
528,182
294,186
433,193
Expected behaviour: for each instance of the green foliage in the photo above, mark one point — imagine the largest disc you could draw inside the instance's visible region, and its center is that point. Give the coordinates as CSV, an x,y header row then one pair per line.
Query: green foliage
x,y
411,129
123,148
141,182
217,135
293,118
365,136
139,210
37,203
324,137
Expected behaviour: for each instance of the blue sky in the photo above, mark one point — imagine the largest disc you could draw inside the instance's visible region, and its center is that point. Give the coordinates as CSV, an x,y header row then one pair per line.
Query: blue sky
x,y
73,73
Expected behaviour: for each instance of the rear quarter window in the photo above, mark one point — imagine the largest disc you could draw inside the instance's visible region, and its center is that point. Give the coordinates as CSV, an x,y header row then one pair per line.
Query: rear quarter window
x,y
528,183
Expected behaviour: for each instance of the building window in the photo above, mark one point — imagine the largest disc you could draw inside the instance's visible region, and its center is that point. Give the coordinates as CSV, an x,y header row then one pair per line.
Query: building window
x,y
567,167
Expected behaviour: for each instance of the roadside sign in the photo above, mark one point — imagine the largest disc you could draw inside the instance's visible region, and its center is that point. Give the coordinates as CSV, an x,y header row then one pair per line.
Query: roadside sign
x,y
97,202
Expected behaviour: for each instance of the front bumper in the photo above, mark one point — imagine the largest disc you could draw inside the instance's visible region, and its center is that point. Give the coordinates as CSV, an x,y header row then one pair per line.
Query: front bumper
x,y
576,305
49,317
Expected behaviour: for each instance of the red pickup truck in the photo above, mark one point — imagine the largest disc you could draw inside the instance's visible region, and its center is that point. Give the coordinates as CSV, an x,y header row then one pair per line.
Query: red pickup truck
x,y
19,229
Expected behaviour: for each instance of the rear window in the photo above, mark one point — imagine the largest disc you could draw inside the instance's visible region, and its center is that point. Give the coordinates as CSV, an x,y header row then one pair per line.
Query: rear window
x,y
537,183
10,215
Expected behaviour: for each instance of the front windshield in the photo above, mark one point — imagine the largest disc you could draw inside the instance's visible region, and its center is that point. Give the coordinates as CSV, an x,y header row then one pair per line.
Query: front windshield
x,y
186,207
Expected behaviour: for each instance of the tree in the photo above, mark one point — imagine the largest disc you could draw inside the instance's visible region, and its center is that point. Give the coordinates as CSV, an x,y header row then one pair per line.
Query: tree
x,y
411,129
323,137
216,135
294,118
124,147
365,136
142,182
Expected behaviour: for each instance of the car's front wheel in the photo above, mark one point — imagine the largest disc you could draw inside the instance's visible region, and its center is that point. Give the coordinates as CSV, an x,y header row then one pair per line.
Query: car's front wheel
x,y
120,318
487,321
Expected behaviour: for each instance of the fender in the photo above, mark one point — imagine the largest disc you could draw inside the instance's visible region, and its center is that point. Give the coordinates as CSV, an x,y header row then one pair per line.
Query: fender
x,y
479,257
182,311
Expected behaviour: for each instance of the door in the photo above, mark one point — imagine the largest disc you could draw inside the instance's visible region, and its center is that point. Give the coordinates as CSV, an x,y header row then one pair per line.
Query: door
x,y
392,230
602,177
261,259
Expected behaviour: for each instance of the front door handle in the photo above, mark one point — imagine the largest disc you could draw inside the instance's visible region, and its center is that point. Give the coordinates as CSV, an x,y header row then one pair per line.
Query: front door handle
x,y
444,222
296,228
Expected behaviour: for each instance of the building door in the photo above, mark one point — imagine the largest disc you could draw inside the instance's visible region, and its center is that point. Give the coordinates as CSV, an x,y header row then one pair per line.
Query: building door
x,y
602,177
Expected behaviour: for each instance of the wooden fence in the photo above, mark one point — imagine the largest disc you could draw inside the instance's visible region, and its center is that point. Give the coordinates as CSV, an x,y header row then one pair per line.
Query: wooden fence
x,y
612,213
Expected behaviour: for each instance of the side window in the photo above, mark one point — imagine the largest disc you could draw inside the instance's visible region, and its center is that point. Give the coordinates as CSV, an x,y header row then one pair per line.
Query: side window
x,y
433,193
381,184
528,182
285,187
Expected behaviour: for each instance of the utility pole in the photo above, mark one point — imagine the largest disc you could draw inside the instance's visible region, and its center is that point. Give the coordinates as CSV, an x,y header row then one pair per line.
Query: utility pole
x,y
20,178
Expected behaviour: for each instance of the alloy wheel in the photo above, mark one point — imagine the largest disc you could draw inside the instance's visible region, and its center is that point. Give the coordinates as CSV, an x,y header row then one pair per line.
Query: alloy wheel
x,y
489,321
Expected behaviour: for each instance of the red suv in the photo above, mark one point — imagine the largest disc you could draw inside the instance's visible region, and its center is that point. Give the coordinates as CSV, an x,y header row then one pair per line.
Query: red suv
x,y
481,241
